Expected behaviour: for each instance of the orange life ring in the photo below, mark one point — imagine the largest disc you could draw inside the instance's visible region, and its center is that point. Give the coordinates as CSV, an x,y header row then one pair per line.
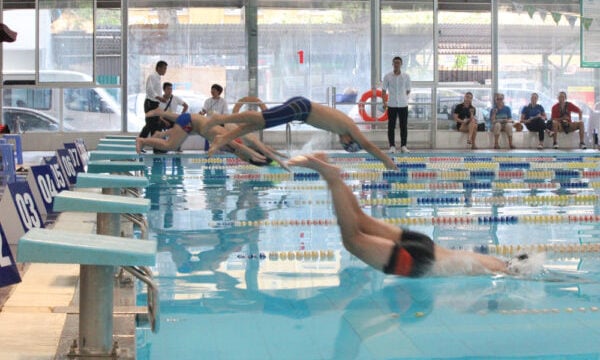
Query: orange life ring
x,y
366,96
248,100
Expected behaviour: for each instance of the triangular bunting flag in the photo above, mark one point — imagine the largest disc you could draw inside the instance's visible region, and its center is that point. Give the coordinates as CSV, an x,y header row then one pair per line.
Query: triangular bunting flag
x,y
530,10
556,17
587,22
518,7
543,14
572,20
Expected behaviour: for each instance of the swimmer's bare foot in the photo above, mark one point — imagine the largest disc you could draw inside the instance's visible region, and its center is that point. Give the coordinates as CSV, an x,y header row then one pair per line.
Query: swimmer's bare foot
x,y
139,145
317,162
215,145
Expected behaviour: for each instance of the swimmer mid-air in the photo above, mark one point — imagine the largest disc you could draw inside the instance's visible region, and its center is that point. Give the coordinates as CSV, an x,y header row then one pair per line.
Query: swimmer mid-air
x,y
391,249
249,148
298,109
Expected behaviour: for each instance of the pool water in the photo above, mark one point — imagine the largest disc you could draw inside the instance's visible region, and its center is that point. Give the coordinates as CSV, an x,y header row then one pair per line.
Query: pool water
x,y
250,263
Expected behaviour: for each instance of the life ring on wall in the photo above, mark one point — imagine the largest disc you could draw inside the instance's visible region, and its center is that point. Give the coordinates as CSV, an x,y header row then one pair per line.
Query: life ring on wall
x,y
248,100
366,97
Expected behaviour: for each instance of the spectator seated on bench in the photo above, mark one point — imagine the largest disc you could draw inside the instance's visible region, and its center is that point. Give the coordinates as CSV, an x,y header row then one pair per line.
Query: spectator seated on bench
x,y
561,119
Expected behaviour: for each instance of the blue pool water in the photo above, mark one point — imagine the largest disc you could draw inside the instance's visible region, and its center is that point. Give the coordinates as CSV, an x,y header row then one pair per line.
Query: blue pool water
x,y
250,263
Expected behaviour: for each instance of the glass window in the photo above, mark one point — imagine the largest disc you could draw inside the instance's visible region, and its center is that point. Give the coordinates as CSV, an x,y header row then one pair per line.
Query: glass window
x,y
66,40
91,109
546,60
305,51
23,120
108,46
407,32
464,47
202,46
19,56
39,99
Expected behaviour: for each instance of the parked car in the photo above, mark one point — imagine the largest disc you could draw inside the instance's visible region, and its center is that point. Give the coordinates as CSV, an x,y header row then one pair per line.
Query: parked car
x,y
20,120
85,109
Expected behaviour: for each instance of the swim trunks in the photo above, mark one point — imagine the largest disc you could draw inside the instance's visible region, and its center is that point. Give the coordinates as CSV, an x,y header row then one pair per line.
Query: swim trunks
x,y
296,108
412,257
185,121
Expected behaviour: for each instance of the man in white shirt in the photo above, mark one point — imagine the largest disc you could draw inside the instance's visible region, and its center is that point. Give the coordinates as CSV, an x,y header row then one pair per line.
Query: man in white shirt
x,y
215,104
153,99
172,102
397,85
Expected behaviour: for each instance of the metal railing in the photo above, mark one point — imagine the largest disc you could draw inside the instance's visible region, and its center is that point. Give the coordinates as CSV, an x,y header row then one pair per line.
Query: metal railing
x,y
144,274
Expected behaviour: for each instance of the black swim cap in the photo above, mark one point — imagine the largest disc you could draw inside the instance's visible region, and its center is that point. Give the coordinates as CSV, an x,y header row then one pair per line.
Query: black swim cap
x,y
352,146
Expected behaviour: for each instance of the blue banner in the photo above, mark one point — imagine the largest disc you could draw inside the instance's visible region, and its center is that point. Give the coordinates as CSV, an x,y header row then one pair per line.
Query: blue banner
x,y
9,274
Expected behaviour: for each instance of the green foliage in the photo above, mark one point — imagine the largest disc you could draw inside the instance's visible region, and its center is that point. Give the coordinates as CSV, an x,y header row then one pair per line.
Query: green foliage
x,y
460,61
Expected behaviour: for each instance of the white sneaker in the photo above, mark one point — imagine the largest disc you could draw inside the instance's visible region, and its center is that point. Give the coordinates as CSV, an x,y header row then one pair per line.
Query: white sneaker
x,y
555,146
404,149
392,149
582,146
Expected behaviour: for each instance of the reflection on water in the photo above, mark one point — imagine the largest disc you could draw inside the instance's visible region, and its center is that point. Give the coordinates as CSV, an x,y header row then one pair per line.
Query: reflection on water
x,y
292,292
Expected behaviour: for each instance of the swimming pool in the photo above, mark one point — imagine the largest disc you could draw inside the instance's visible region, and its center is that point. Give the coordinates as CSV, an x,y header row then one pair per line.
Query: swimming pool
x,y
250,263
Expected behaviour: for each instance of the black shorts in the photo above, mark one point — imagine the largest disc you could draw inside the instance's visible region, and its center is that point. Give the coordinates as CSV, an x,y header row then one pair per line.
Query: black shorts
x,y
412,257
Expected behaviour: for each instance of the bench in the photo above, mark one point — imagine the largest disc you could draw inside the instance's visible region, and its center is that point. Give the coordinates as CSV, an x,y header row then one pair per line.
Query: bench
x,y
452,139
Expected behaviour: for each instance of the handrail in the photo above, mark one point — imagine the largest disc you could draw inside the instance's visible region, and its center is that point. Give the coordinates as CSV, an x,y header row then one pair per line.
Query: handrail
x,y
144,274
135,192
139,220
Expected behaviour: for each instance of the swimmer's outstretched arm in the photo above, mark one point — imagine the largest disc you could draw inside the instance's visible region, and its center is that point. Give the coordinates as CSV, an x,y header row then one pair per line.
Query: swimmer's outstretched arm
x,y
227,137
369,147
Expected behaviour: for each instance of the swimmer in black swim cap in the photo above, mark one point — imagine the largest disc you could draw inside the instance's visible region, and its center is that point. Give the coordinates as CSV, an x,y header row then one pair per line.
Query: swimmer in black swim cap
x,y
351,146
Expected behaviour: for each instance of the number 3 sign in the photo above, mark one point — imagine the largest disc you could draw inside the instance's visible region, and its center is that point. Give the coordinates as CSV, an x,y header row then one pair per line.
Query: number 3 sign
x,y
20,211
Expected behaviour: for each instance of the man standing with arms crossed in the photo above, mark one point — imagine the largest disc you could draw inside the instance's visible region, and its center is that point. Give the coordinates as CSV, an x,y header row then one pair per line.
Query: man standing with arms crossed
x,y
397,84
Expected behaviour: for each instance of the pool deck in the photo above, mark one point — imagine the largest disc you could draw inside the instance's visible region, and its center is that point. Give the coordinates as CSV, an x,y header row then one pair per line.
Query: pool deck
x,y
39,316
